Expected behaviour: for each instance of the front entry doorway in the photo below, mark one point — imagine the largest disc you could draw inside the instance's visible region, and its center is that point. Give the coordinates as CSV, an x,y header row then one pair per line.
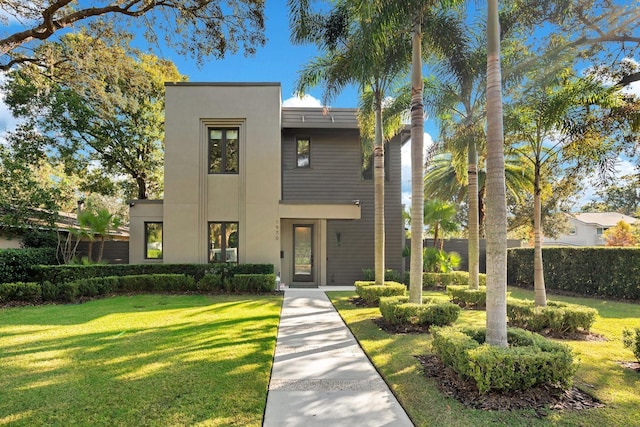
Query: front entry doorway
x,y
303,253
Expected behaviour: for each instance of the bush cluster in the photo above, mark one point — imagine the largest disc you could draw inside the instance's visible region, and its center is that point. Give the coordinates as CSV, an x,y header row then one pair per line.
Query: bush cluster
x,y
631,340
463,296
398,310
596,271
69,282
369,275
69,273
92,287
556,317
442,280
371,293
17,265
530,360
20,291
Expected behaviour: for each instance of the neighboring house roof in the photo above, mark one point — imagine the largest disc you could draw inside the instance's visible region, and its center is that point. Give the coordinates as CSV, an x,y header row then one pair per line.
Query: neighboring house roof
x,y
603,219
68,220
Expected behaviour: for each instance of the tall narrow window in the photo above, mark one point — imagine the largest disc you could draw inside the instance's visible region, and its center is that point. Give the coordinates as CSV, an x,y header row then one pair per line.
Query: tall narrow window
x,y
303,152
223,242
153,239
223,150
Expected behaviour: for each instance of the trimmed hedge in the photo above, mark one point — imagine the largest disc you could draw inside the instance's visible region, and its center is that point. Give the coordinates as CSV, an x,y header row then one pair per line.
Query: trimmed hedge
x,y
371,293
69,273
211,282
462,295
17,265
530,360
442,280
595,271
20,291
390,275
397,310
631,340
556,317
252,283
70,291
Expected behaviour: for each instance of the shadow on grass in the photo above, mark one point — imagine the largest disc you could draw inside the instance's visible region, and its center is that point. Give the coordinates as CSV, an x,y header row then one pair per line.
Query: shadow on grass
x,y
179,364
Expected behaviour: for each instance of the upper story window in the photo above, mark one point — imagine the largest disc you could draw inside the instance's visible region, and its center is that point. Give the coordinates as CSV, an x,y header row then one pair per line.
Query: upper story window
x,y
223,150
303,152
153,239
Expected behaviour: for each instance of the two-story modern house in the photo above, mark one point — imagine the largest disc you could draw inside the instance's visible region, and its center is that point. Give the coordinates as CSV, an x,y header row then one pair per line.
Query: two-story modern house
x,y
249,181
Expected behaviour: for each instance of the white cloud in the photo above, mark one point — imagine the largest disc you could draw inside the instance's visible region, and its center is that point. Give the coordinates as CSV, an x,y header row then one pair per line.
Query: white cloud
x,y
306,101
7,121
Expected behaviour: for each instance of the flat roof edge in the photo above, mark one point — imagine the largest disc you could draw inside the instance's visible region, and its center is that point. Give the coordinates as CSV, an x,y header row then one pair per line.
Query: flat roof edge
x,y
222,84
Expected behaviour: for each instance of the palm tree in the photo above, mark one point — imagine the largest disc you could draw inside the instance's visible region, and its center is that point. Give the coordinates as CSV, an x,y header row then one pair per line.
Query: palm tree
x,y
446,179
100,222
343,36
439,216
496,193
551,126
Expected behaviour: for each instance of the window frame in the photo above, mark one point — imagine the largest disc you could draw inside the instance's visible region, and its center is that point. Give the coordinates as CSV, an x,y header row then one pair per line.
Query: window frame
x,y
308,141
146,239
224,247
224,150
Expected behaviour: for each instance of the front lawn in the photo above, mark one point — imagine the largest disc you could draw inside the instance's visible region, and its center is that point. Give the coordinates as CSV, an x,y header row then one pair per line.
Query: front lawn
x,y
146,360
599,374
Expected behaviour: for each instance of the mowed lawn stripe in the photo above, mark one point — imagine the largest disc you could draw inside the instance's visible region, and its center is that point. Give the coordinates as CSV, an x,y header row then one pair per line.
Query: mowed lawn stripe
x,y
138,360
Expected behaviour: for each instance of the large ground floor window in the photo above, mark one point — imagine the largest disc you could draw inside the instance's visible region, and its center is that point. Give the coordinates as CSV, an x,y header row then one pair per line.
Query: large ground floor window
x,y
223,242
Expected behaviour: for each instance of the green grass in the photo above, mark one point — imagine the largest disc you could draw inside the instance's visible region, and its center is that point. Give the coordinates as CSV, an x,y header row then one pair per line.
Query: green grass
x,y
598,374
147,360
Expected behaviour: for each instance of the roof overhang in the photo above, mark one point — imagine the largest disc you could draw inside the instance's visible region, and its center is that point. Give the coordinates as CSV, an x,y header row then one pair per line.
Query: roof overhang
x,y
314,210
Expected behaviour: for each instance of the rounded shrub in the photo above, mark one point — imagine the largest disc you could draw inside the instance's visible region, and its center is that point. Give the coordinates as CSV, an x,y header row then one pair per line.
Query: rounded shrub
x,y
556,317
462,295
398,311
530,359
371,293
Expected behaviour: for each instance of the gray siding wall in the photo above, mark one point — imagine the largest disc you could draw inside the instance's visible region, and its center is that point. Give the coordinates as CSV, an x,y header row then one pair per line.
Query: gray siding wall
x,y
334,176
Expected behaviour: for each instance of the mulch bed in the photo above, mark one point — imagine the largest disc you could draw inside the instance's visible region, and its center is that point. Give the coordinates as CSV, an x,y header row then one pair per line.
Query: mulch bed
x,y
634,366
540,399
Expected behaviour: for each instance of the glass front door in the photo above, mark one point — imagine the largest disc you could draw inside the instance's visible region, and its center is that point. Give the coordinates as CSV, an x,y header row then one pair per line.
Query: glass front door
x,y
303,253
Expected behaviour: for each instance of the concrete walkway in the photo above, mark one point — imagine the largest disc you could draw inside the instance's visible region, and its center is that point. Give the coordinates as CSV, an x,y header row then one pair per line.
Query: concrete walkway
x,y
321,376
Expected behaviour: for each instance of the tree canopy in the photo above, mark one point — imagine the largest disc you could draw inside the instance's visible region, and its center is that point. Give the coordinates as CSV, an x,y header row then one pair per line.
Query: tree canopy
x,y
99,111
196,28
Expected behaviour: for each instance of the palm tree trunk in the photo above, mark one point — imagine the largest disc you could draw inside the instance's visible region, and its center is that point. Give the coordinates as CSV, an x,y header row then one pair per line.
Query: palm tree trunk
x,y
496,227
101,249
417,163
474,224
538,268
378,179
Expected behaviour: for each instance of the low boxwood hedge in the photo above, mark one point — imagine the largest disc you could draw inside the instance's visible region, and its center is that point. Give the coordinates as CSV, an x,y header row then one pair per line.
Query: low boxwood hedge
x,y
97,286
371,293
20,291
442,280
69,273
397,310
530,360
251,283
18,265
556,317
463,296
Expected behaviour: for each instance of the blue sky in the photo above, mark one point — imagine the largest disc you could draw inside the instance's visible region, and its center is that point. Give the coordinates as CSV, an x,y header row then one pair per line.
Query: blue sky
x,y
278,61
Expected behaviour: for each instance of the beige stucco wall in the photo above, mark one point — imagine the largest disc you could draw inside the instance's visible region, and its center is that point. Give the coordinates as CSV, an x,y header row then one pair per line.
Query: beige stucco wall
x,y
141,211
193,197
10,243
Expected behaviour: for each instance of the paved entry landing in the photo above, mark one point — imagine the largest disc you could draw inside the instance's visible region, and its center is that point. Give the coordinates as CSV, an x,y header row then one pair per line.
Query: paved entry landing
x,y
321,376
